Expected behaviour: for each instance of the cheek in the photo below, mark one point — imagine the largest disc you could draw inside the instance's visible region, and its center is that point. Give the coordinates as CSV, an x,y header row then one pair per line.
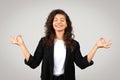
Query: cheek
x,y
65,24
53,24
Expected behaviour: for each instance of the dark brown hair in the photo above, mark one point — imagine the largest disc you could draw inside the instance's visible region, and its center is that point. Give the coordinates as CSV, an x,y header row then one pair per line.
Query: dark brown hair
x,y
50,32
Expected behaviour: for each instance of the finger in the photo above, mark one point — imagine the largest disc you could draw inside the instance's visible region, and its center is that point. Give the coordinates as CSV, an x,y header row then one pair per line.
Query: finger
x,y
103,41
110,42
107,45
11,39
101,38
19,37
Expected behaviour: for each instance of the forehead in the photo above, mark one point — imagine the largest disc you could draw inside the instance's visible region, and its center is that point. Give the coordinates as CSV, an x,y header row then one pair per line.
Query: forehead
x,y
59,16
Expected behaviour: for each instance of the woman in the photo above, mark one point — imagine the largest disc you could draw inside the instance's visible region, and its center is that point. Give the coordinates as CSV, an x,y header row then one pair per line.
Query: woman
x,y
58,50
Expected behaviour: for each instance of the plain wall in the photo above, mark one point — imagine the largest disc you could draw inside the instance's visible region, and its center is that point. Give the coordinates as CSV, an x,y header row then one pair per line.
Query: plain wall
x,y
91,19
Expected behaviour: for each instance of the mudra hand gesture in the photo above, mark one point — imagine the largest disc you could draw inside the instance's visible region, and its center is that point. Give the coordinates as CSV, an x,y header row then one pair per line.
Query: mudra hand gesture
x,y
102,43
18,40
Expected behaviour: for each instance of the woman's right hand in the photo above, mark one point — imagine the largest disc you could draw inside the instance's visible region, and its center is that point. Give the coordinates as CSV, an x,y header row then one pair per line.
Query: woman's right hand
x,y
18,40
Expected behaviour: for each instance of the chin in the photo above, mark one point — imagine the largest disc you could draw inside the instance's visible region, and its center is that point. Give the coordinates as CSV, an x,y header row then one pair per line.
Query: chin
x,y
59,30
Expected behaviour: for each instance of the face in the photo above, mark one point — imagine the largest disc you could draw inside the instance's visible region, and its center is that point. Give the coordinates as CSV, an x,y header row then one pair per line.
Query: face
x,y
59,22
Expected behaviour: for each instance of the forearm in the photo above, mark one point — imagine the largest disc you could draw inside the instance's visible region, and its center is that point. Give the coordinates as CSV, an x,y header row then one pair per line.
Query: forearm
x,y
25,52
92,53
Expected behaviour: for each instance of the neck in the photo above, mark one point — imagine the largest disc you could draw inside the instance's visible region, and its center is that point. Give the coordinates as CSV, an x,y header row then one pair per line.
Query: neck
x,y
59,35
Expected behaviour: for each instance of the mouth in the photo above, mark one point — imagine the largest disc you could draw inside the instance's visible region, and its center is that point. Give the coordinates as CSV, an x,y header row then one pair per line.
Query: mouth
x,y
58,26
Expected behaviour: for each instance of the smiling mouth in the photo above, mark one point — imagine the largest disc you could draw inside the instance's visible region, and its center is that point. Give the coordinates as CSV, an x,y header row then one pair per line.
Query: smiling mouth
x,y
58,26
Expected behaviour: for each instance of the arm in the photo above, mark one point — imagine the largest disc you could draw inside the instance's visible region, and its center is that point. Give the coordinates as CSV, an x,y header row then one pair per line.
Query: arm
x,y
19,41
102,43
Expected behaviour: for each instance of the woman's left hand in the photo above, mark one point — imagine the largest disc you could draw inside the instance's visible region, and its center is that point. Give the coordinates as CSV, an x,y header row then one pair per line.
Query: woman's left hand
x,y
102,43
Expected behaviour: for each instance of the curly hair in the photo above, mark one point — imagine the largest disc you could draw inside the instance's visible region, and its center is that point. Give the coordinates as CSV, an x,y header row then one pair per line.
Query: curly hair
x,y
50,32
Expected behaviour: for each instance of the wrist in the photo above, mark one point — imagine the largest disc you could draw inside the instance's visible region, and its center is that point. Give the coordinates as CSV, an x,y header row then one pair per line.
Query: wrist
x,y
96,46
22,45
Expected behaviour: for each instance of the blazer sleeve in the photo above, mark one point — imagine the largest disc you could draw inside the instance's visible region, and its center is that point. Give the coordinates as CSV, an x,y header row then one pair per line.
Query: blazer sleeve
x,y
80,61
35,60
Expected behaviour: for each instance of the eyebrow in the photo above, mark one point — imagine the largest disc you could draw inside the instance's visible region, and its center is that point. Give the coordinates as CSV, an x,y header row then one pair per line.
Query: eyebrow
x,y
57,18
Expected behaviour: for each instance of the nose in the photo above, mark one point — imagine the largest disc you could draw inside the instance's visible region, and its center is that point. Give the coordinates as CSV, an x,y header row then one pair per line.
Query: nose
x,y
58,22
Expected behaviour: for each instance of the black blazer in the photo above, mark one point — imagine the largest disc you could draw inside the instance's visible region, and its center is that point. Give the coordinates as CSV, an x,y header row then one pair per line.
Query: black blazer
x,y
45,54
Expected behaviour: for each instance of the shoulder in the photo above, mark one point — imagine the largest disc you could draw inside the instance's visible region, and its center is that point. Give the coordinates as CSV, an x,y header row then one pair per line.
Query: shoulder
x,y
76,43
41,42
42,39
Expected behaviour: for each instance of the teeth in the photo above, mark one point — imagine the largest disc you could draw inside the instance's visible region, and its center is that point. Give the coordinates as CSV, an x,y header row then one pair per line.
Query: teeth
x,y
58,26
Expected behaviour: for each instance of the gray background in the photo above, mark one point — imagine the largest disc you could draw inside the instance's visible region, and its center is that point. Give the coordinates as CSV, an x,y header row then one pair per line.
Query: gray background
x,y
91,20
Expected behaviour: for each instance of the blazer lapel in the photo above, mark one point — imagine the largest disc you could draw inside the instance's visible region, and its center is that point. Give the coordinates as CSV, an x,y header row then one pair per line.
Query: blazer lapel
x,y
51,58
67,56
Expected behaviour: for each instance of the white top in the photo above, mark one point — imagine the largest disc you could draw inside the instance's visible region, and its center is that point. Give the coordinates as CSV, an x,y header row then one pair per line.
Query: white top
x,y
59,57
